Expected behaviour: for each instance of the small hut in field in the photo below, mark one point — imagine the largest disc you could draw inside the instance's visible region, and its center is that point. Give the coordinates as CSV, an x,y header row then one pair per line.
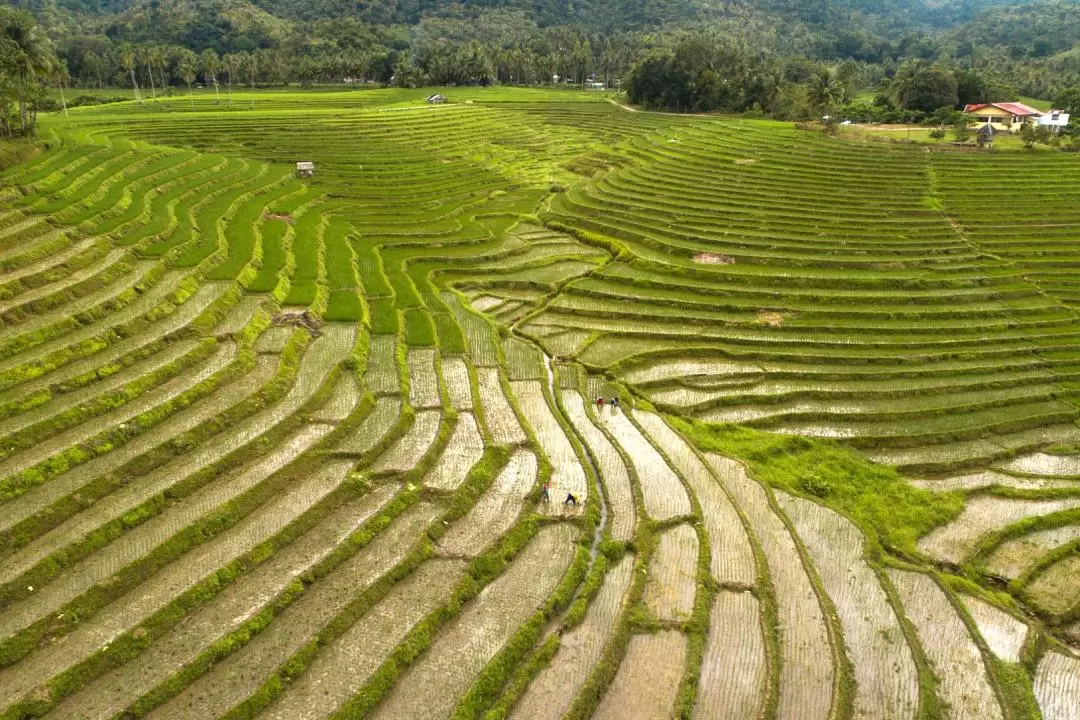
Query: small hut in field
x,y
305,168
436,99
984,136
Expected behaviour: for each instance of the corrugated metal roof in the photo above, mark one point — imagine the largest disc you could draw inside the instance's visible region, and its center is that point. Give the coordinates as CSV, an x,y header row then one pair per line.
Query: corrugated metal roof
x,y
1016,108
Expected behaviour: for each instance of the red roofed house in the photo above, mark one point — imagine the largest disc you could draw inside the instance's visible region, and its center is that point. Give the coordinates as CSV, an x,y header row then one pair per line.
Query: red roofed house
x,y
1004,115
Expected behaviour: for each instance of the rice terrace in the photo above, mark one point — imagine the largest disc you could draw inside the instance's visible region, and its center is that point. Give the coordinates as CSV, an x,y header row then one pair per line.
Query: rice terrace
x,y
283,446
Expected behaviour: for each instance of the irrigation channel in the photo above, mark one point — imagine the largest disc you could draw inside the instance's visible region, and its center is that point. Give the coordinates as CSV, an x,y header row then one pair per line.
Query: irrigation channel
x,y
598,531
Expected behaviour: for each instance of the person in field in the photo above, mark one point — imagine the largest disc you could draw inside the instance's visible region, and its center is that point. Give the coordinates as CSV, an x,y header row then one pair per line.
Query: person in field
x,y
600,402
614,403
570,500
545,494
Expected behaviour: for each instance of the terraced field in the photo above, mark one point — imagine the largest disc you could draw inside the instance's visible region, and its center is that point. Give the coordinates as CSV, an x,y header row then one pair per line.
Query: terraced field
x,y
331,447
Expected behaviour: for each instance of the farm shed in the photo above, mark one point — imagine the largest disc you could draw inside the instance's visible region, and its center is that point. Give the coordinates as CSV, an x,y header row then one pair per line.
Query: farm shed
x,y
305,169
1004,115
436,98
985,135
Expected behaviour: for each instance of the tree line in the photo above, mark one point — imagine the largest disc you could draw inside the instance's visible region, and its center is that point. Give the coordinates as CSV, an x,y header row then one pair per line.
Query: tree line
x,y
734,62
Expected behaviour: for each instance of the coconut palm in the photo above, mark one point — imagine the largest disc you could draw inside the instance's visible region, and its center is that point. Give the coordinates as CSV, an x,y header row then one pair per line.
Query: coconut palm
x,y
146,57
825,91
186,65
157,59
231,63
210,63
27,59
128,61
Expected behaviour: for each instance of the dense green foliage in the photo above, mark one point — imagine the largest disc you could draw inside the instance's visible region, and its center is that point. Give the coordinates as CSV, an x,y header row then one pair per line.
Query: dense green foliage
x,y
26,61
782,57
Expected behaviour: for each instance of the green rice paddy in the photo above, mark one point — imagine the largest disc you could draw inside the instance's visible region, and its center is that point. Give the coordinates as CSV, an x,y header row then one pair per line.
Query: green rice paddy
x,y
248,417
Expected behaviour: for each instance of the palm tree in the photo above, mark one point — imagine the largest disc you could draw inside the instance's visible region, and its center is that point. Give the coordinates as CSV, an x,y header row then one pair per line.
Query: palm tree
x,y
230,61
62,76
186,64
157,59
210,63
826,91
28,59
145,56
127,61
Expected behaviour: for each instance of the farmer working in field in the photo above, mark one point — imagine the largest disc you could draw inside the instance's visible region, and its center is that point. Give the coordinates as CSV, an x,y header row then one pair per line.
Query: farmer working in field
x,y
570,500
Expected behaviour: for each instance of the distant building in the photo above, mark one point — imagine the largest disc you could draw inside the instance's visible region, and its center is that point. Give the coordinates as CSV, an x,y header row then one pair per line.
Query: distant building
x,y
305,169
436,99
985,135
594,86
1004,116
1055,120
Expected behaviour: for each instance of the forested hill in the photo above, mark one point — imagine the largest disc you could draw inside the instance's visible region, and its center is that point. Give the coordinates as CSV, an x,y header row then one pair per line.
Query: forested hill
x,y
591,15
771,56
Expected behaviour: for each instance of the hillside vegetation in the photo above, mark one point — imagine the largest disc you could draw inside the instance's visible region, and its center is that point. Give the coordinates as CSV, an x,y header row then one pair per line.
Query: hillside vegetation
x,y
771,48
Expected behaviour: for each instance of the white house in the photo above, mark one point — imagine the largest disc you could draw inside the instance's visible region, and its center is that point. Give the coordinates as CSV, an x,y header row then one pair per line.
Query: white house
x,y
1055,120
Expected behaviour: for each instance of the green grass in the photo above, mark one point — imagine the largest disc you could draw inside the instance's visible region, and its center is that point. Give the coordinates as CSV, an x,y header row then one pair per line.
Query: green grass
x,y
878,499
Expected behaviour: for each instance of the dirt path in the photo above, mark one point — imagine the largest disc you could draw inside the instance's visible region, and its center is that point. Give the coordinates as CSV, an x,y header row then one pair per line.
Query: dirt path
x,y
619,105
